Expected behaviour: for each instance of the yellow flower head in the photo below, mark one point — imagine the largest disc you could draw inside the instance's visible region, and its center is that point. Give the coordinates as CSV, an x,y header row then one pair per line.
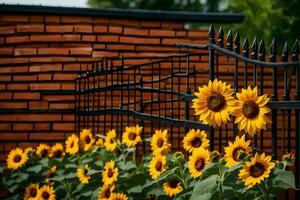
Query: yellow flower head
x,y
197,161
234,150
110,143
29,150
50,173
159,142
42,150
132,135
82,174
100,142
105,192
47,193
32,192
86,139
172,187
72,144
119,196
214,103
57,151
195,139
251,111
16,159
110,173
157,166
256,170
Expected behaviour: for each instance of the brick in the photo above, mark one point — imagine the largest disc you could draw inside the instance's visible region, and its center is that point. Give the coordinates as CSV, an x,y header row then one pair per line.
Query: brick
x,y
52,19
172,25
13,105
31,28
14,60
46,38
172,41
44,77
99,46
71,67
6,30
150,23
25,51
75,19
8,146
41,126
64,76
71,37
6,50
58,97
68,118
124,22
81,51
45,68
63,59
30,117
47,136
134,31
19,69
136,40
107,38
13,136
27,95
2,87
181,33
59,28
100,29
36,18
5,126
115,29
83,29
2,40
38,105
44,86
22,127
14,18
5,78
197,34
162,33
63,126
14,86
89,38
101,54
25,77
100,20
6,95
120,47
53,51
61,105
67,86
17,39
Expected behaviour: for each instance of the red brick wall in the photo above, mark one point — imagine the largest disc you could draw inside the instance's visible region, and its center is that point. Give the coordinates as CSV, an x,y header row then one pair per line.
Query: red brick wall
x,y
40,56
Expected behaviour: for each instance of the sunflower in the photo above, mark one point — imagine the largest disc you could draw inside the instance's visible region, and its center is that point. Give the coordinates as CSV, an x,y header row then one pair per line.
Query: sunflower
x,y
32,192
214,103
87,140
197,161
82,174
47,193
256,170
159,142
157,166
233,151
195,139
172,187
29,150
50,174
42,150
72,144
132,135
100,142
16,158
110,173
57,151
105,192
251,111
110,143
119,196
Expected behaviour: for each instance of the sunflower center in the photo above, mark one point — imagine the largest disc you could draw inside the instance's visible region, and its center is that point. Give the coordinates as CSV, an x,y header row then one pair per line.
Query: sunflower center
x,y
158,166
236,153
45,195
44,152
160,142
173,183
131,136
250,109
257,170
72,144
17,158
196,142
33,192
57,153
199,164
107,193
87,139
110,173
215,102
85,171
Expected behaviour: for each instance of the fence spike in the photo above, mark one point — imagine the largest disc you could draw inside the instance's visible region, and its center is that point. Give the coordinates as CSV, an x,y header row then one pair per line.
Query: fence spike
x,y
236,42
284,54
261,50
273,50
295,51
211,34
246,48
229,41
221,37
254,49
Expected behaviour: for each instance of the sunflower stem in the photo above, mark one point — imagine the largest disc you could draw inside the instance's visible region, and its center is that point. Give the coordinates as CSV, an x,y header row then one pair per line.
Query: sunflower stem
x,y
262,189
221,173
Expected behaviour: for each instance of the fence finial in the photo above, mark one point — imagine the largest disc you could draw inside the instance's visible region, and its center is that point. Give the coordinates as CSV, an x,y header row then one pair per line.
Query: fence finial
x,y
273,50
254,49
284,54
295,51
221,37
211,34
261,50
236,42
245,51
229,41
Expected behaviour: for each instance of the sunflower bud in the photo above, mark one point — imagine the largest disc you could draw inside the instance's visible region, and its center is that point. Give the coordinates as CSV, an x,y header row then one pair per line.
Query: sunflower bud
x,y
288,159
215,155
178,157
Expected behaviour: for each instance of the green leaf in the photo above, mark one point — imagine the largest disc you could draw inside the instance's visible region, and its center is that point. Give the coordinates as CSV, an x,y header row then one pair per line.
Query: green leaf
x,y
35,169
205,189
284,179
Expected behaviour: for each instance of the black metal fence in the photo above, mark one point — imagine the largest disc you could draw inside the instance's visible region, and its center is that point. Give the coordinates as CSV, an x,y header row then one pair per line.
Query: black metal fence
x,y
158,94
